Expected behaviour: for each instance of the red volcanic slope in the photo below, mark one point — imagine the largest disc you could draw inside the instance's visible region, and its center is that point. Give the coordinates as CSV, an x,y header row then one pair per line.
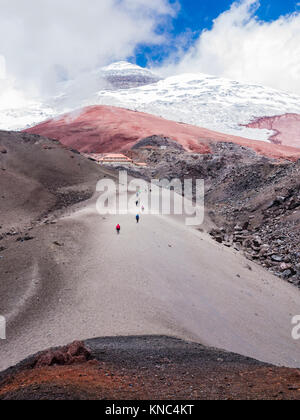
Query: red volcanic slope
x,y
104,129
286,127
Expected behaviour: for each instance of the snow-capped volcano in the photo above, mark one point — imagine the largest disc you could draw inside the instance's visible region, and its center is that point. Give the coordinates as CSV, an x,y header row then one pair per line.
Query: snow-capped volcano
x,y
210,102
75,93
206,101
84,89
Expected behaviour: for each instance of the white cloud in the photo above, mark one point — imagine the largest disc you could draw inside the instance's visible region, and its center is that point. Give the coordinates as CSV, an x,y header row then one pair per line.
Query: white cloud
x,y
2,68
241,47
43,41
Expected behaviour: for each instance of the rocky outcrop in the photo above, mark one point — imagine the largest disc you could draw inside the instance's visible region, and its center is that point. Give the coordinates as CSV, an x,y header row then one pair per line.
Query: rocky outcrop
x,y
74,353
157,141
280,256
257,207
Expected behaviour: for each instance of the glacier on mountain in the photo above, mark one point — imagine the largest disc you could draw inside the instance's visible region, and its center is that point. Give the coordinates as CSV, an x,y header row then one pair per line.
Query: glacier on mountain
x,y
215,103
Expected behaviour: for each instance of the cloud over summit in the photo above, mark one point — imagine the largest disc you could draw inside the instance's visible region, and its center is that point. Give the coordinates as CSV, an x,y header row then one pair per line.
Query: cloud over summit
x,y
242,47
46,41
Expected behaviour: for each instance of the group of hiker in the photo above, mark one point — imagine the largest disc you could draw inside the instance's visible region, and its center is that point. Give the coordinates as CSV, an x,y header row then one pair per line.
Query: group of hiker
x,y
118,227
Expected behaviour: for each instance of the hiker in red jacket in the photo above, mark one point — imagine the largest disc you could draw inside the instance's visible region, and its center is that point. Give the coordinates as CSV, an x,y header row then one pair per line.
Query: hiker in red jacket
x,y
118,228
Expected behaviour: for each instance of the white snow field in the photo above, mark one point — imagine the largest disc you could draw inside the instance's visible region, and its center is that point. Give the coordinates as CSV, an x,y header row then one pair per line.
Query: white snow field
x,y
215,103
206,101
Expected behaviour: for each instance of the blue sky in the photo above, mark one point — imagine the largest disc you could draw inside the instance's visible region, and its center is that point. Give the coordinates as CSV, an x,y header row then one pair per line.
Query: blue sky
x,y
43,43
196,15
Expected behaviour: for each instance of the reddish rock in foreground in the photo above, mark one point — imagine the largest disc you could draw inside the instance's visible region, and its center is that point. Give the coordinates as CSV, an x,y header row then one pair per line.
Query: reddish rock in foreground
x,y
152,368
104,129
286,127
74,353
